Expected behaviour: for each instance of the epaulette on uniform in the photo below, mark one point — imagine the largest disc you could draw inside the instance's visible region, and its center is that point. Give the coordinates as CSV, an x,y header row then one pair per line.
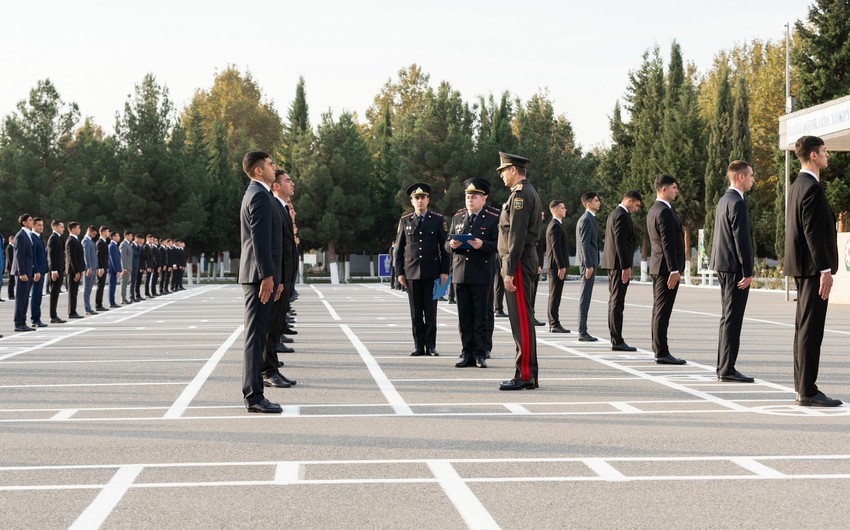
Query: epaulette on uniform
x,y
493,210
462,210
438,214
407,215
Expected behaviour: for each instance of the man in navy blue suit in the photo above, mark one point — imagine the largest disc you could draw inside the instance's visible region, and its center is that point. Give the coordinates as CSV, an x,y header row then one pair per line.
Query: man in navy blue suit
x,y
23,269
115,268
39,252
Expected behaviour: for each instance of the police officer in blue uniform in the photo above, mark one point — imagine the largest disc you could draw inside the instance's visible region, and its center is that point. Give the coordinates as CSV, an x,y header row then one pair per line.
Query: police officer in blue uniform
x,y
421,258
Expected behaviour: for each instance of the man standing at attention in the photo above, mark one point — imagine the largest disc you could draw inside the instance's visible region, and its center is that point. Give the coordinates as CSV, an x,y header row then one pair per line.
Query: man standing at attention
x,y
260,272
90,255
811,257
558,255
75,266
125,249
667,244
520,226
617,258
40,259
421,258
587,256
116,270
23,270
102,265
56,265
472,271
732,259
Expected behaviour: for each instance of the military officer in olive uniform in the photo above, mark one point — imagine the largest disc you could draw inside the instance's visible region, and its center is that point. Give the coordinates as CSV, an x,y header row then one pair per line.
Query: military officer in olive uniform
x,y
421,258
520,226
472,270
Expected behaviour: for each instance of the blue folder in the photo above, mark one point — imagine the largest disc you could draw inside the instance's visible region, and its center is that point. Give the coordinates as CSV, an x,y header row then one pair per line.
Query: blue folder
x,y
464,239
440,290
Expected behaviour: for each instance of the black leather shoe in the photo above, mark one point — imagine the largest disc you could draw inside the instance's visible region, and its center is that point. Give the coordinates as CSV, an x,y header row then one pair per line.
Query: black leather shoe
x,y
75,315
57,320
276,381
432,352
289,331
286,340
818,400
452,302
265,406
622,346
39,324
538,323
114,306
486,355
100,309
466,363
91,313
501,314
279,364
290,320
558,329
24,328
517,384
584,337
735,377
481,362
283,348
417,353
669,359
292,382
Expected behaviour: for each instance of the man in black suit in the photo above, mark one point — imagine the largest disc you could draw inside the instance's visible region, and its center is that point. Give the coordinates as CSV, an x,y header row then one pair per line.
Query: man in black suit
x,y
732,259
667,243
618,258
558,257
587,256
811,256
102,267
23,270
40,257
421,258
260,272
75,266
164,266
56,265
148,262
472,270
138,268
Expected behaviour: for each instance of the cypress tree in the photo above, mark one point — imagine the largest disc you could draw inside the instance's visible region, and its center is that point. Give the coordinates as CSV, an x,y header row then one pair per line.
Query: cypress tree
x,y
719,149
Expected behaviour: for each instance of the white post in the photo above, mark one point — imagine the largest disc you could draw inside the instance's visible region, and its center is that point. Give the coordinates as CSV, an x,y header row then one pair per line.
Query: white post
x,y
644,271
201,266
334,269
300,271
189,270
347,271
221,267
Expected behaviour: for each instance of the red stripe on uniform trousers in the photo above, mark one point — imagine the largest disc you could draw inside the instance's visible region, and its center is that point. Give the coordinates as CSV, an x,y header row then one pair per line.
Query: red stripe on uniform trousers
x,y
524,336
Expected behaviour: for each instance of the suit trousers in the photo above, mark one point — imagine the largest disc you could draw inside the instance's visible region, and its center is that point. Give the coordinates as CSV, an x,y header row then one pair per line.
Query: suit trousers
x,y
808,334
113,285
585,294
733,302
556,288
150,281
663,299
491,317
270,357
163,280
498,292
257,318
88,283
137,285
11,285
126,283
36,293
472,318
73,289
423,313
521,313
616,304
98,294
55,289
22,300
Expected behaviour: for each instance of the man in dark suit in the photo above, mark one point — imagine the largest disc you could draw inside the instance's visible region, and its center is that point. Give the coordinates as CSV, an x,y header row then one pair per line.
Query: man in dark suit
x,y
90,254
667,260
10,257
472,270
260,272
148,262
75,266
811,256
116,269
617,258
125,250
23,270
164,267
587,256
102,266
137,273
56,266
39,253
421,258
520,227
732,259
499,293
558,257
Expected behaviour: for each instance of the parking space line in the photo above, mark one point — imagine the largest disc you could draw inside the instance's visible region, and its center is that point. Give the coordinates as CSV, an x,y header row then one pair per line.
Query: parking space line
x,y
757,467
330,309
604,470
474,514
108,499
288,473
47,343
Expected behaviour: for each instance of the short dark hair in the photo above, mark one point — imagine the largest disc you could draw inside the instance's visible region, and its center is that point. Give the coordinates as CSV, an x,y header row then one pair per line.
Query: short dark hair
x,y
72,225
103,229
633,195
806,145
91,228
251,159
23,218
737,166
588,196
37,219
555,203
56,222
664,180
127,233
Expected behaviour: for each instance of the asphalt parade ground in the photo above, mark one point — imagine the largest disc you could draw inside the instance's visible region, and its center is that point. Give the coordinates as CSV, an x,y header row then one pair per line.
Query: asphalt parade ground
x,y
134,419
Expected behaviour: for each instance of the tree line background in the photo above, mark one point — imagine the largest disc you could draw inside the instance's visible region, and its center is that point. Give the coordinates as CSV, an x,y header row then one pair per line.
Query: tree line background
x,y
177,172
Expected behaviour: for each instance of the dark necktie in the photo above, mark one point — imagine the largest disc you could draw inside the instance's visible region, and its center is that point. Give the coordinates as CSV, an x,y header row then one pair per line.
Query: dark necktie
x,y
471,221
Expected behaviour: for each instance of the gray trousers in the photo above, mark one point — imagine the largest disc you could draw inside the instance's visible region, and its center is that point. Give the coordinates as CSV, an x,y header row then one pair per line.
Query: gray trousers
x,y
88,283
585,292
125,282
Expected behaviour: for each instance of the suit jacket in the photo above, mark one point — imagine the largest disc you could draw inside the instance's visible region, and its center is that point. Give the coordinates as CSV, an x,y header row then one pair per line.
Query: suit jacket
x,y
39,254
666,240
23,257
102,254
137,256
114,258
55,253
10,256
587,241
125,249
162,256
810,237
262,236
290,251
732,247
471,265
146,260
619,241
75,260
557,247
90,253
421,247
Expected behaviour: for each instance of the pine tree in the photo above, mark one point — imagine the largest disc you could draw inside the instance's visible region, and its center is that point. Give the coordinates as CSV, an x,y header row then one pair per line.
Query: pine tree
x,y
742,148
719,149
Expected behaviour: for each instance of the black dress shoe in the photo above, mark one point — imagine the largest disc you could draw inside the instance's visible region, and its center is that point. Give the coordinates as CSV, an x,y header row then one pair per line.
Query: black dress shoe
x,y
432,352
57,320
818,400
735,377
517,384
622,346
585,337
75,315
276,381
286,340
538,323
292,382
24,328
480,362
265,406
100,309
452,301
417,353
283,348
91,313
486,355
2,299
669,359
466,363
39,324
114,306
558,329
289,331
279,364
290,320
501,314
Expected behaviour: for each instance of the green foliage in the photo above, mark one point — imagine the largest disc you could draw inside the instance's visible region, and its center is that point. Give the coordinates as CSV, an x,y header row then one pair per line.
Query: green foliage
x,y
719,149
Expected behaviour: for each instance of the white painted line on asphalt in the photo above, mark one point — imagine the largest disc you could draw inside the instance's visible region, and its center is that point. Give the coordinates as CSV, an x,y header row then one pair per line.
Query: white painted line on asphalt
x,y
139,313
44,344
474,514
625,407
757,467
318,292
288,473
108,499
104,361
605,470
516,408
74,385
291,410
330,309
64,414
179,406
390,393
